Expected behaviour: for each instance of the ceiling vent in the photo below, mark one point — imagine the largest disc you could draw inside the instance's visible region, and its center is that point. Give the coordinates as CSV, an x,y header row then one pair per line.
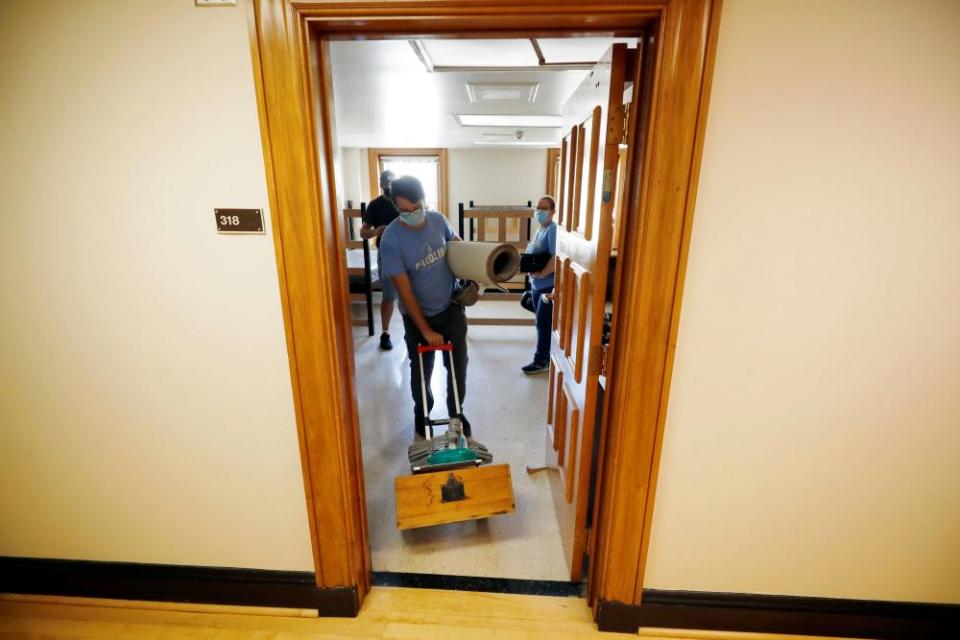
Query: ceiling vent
x,y
499,93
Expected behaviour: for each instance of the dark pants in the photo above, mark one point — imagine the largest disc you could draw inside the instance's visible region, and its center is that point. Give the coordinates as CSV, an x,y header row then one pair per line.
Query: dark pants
x,y
452,325
544,313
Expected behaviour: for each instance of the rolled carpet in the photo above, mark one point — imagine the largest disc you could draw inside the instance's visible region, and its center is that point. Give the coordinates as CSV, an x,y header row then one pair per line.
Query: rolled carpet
x,y
487,263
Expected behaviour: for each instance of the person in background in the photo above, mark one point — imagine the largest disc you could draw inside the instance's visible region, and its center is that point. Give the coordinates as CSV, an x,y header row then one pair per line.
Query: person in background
x,y
414,250
541,282
379,214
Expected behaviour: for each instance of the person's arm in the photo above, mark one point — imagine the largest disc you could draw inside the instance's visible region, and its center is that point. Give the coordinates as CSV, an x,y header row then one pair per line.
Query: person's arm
x,y
412,307
547,270
368,231
449,233
371,216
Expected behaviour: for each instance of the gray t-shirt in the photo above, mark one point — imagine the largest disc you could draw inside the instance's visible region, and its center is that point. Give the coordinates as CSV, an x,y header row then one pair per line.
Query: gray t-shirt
x,y
422,255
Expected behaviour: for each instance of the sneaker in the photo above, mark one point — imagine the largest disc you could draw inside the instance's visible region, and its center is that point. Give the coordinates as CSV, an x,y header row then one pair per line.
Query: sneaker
x,y
535,367
385,343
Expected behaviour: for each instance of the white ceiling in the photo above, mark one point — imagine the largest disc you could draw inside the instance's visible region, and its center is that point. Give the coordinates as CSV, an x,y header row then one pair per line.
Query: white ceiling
x,y
385,97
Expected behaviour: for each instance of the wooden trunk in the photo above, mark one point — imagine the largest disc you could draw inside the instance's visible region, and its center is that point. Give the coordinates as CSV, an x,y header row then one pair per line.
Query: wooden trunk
x,y
488,491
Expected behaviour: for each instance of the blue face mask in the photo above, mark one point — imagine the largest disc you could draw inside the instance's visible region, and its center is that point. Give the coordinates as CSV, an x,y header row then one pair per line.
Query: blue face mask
x,y
542,216
412,218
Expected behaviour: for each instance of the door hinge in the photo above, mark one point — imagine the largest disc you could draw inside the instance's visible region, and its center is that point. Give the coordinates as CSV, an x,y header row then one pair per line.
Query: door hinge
x,y
617,128
598,359
626,124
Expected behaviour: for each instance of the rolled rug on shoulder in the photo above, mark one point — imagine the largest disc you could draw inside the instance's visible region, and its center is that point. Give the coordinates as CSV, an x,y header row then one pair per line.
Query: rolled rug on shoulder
x,y
487,263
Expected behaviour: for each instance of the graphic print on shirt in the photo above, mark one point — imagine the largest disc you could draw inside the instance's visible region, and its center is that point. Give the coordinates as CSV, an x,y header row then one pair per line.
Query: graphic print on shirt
x,y
420,254
430,257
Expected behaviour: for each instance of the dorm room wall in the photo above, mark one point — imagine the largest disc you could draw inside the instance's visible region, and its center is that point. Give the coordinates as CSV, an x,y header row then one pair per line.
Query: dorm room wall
x,y
813,431
146,406
486,176
496,176
354,179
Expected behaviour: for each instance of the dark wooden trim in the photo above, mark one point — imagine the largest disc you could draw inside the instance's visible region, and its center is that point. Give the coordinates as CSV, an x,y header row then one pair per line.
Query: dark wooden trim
x,y
555,588
756,613
617,617
175,583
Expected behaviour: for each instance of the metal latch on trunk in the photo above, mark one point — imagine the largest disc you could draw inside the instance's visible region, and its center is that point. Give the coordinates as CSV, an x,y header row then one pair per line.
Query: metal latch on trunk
x,y
452,490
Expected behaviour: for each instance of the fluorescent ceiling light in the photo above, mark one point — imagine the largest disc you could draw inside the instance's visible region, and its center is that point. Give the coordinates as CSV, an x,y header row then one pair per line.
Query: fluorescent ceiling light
x,y
517,121
514,143
569,50
481,53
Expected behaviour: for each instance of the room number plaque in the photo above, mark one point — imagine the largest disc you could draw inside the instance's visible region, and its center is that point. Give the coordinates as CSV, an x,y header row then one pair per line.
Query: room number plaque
x,y
239,220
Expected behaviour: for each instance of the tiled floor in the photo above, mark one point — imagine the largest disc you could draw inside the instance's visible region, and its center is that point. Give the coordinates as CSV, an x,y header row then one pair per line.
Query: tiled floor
x,y
507,410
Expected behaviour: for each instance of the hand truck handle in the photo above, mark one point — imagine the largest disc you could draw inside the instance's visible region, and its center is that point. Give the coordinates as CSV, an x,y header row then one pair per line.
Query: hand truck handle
x,y
424,348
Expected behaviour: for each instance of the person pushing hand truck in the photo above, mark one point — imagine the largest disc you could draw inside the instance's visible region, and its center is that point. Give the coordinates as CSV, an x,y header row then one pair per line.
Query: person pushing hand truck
x,y
413,249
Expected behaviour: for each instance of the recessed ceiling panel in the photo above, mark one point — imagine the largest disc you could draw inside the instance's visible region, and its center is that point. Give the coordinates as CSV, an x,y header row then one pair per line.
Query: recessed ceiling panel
x,y
500,93
481,53
556,50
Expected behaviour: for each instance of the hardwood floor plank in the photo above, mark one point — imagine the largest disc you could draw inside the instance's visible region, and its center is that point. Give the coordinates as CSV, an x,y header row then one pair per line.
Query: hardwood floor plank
x,y
483,622
335,627
403,631
475,604
160,606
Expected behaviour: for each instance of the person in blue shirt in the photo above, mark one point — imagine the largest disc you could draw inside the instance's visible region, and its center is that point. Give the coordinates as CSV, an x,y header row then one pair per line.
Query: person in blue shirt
x,y
541,283
414,249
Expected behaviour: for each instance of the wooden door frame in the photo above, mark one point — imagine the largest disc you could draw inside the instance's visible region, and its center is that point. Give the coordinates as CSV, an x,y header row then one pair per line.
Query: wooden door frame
x,y
553,157
294,95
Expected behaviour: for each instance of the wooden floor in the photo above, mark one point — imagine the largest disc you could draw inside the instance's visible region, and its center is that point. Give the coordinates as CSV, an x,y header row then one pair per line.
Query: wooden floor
x,y
387,613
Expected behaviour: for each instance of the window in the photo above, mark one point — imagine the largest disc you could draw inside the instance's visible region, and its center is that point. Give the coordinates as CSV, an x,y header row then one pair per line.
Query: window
x,y
427,165
424,168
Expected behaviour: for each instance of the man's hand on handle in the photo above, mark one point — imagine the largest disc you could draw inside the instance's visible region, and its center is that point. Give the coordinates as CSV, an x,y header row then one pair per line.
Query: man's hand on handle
x,y
433,338
405,291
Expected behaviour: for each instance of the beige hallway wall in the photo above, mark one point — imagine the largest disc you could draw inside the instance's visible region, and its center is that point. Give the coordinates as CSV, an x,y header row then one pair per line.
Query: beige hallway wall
x,y
813,435
146,409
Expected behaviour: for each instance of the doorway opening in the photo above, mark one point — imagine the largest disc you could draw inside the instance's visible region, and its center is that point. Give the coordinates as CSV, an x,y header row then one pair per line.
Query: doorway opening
x,y
489,126
294,91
